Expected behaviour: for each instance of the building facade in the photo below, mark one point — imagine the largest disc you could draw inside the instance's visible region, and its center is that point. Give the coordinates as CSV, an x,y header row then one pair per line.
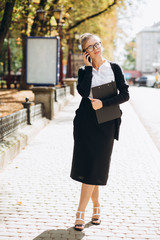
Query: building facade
x,y
148,49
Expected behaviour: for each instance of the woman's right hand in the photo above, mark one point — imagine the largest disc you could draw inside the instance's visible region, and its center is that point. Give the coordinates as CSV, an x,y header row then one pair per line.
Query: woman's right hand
x,y
85,59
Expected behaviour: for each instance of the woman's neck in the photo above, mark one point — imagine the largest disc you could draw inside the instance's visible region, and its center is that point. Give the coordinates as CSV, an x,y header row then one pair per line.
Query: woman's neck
x,y
98,62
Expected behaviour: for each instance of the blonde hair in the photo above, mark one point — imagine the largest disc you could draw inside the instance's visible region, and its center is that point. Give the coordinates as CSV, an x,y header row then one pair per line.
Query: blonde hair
x,y
84,38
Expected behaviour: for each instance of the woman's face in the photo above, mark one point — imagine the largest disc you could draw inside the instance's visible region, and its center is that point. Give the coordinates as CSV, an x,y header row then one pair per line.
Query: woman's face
x,y
93,47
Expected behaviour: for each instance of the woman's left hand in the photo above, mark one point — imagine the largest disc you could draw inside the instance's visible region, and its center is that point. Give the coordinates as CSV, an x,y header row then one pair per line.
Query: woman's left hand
x,y
96,103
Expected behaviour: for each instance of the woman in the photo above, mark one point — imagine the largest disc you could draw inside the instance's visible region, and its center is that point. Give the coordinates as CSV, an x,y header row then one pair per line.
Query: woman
x,y
93,142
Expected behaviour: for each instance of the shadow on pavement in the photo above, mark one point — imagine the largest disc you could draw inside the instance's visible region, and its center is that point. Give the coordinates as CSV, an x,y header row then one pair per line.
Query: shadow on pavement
x,y
60,234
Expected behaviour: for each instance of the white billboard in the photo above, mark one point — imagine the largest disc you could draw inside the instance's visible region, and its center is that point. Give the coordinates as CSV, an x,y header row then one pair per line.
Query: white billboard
x,y
42,61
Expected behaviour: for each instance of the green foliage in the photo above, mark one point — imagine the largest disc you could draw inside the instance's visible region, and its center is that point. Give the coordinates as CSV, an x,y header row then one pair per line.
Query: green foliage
x,y
25,22
73,11
16,57
130,56
3,59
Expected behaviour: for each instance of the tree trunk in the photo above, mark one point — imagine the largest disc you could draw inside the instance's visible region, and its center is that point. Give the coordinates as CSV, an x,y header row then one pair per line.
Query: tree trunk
x,y
23,84
6,21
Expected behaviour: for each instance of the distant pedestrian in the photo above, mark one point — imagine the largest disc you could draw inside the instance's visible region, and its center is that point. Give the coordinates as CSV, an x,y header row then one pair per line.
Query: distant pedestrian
x,y
157,76
93,142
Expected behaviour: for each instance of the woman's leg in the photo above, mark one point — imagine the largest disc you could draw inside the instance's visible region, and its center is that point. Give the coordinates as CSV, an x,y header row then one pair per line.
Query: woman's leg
x,y
95,200
95,196
86,192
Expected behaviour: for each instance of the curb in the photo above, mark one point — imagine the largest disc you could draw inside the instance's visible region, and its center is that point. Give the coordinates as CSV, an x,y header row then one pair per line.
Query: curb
x,y
13,144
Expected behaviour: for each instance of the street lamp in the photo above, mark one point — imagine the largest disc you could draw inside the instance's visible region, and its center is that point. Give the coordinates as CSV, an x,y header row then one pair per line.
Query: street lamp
x,y
41,14
58,16
75,38
69,65
9,63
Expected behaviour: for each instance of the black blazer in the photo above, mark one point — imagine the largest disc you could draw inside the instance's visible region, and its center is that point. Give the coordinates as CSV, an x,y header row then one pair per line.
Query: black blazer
x,y
84,86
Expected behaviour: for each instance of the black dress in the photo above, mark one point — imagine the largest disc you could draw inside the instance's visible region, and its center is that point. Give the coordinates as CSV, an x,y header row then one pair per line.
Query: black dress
x,y
93,142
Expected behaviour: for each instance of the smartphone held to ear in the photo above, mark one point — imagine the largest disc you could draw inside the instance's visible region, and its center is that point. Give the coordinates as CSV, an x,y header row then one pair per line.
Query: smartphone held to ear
x,y
89,59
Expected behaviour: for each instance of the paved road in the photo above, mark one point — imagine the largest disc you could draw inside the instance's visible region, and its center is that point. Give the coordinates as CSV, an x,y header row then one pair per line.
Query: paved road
x,y
146,102
38,200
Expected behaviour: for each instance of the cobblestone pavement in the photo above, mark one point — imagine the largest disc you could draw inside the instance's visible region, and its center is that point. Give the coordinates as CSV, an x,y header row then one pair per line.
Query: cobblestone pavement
x,y
38,199
145,101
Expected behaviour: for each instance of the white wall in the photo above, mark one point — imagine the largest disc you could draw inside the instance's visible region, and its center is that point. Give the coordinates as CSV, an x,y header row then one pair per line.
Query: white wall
x,y
147,49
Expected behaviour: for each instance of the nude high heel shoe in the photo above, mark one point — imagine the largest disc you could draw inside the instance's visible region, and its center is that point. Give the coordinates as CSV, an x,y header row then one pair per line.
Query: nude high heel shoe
x,y
79,227
96,221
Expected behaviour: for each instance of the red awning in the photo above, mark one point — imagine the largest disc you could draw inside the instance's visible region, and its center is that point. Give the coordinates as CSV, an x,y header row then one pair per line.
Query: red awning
x,y
133,73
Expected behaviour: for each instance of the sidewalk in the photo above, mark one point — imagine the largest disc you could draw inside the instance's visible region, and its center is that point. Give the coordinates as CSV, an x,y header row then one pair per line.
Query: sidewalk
x,y
38,199
146,101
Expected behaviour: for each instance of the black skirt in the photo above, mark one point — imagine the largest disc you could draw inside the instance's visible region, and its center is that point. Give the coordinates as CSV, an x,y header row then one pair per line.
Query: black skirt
x,y
93,144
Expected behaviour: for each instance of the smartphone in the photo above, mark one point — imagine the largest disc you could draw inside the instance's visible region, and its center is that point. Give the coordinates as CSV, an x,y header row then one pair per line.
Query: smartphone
x,y
89,59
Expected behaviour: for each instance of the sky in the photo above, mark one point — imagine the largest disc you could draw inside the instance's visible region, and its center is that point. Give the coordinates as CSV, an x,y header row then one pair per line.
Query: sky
x,y
148,14
144,13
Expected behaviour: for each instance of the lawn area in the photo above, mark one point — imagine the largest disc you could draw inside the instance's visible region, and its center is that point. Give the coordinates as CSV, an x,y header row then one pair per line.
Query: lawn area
x,y
11,100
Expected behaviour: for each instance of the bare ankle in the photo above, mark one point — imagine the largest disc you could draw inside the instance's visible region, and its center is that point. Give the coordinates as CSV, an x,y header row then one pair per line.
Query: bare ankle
x,y
96,204
81,209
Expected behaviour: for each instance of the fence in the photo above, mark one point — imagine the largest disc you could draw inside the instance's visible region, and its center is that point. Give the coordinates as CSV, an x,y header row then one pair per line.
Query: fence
x,y
17,120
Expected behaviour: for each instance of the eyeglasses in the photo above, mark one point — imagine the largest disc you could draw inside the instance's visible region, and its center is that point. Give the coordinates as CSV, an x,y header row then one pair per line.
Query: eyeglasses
x,y
92,47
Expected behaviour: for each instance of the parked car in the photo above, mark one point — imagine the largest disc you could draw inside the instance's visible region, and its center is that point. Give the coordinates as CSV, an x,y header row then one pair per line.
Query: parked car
x,y
141,81
151,79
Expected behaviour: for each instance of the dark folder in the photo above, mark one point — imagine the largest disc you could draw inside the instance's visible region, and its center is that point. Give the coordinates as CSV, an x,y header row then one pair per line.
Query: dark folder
x,y
101,92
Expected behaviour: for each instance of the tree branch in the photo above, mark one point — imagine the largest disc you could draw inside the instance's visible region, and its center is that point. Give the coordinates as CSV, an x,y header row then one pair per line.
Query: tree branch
x,y
94,15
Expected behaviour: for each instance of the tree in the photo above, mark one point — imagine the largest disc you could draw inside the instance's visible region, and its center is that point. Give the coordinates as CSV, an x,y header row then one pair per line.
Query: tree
x,y
101,11
130,56
94,16
6,20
